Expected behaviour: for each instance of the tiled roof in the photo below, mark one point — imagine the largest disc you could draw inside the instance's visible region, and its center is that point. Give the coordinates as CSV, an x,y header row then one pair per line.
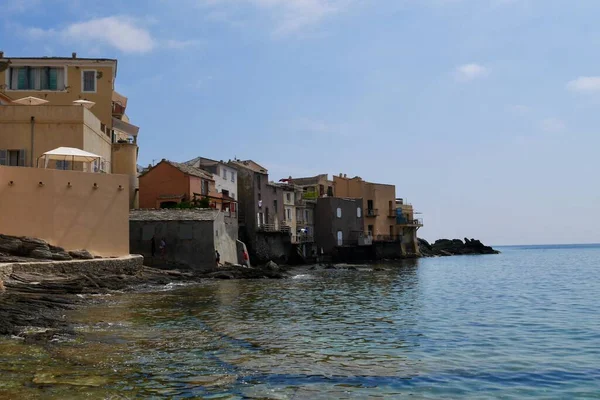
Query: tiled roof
x,y
186,169
251,165
169,214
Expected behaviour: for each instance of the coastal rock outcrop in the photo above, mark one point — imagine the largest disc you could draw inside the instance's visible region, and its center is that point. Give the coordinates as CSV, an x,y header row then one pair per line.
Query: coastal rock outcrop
x,y
23,249
455,247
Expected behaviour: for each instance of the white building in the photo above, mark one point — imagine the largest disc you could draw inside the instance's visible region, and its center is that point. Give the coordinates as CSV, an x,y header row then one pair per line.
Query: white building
x,y
225,176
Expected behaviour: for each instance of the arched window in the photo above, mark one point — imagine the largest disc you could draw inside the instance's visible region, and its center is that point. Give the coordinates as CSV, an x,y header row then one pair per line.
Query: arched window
x,y
340,238
358,212
339,212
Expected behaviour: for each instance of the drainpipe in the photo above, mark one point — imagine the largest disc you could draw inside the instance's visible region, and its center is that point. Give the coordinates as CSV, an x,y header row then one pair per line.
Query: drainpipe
x,y
32,132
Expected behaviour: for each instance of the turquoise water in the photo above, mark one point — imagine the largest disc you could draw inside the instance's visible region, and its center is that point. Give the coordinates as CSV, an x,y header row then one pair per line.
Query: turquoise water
x,y
522,324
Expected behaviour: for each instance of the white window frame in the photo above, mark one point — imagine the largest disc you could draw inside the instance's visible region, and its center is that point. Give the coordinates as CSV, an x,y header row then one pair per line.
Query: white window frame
x,y
7,79
83,71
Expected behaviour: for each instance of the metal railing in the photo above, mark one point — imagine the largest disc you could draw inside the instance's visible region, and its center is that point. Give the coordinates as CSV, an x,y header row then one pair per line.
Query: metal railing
x,y
273,228
392,213
371,212
302,239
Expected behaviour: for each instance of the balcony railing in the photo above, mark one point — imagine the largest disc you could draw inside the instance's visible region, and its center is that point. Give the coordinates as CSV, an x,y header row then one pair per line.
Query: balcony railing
x,y
411,222
273,228
392,213
310,195
302,239
371,212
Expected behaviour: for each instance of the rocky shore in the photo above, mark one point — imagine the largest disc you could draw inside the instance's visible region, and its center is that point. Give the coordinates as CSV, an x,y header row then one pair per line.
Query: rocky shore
x,y
455,247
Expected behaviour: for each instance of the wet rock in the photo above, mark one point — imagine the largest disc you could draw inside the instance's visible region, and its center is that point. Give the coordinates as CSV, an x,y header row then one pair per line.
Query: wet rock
x,y
330,266
272,266
81,254
447,247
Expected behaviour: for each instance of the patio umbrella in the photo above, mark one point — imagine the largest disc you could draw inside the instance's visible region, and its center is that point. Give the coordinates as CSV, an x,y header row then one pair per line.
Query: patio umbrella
x,y
30,101
84,103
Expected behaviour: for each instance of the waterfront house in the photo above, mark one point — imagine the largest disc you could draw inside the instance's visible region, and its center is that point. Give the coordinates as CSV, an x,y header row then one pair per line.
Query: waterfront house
x,y
339,222
169,183
225,177
379,202
79,108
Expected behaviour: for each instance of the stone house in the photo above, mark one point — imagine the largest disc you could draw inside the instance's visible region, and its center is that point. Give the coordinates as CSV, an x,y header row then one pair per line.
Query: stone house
x,y
339,222
191,237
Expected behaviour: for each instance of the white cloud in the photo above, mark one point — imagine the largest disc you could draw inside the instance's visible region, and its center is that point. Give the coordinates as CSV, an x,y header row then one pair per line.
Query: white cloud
x,y
126,34
469,72
290,16
585,84
553,125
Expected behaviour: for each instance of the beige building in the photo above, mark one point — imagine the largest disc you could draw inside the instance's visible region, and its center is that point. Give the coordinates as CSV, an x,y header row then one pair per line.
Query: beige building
x,y
71,209
27,131
379,201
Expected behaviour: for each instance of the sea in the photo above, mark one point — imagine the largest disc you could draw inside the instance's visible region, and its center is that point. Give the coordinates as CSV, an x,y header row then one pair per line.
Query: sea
x,y
524,324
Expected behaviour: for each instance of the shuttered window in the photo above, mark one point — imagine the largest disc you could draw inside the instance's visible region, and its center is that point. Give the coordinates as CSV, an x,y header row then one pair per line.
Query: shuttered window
x,y
36,78
89,81
12,158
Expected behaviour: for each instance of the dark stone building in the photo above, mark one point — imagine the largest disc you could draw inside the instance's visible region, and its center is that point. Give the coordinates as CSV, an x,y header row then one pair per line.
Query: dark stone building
x,y
339,223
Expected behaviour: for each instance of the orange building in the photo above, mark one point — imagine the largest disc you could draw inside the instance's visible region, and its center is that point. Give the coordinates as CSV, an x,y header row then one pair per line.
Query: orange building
x,y
169,183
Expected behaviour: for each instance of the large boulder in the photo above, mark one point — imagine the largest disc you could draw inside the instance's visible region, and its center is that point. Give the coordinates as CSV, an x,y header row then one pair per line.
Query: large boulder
x,y
272,266
10,245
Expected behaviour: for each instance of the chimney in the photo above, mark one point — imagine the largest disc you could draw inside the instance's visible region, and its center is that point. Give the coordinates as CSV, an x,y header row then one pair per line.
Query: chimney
x,y
341,175
1,54
74,55
345,176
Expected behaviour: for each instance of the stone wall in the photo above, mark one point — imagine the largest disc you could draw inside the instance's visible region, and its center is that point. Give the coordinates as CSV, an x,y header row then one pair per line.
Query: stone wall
x,y
272,246
191,237
128,265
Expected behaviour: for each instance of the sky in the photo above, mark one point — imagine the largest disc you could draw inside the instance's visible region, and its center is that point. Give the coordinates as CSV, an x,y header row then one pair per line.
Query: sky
x,y
483,113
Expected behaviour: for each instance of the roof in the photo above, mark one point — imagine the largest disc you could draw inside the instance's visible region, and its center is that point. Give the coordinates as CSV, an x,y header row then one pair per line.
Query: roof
x,y
170,214
311,180
203,162
251,165
186,169
59,58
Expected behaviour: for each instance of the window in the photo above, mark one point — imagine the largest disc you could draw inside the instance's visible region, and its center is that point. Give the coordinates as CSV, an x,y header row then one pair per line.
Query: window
x,y
63,165
204,187
225,192
358,212
339,212
288,197
370,230
340,238
88,81
370,204
275,205
14,158
38,78
233,177
258,180
306,219
289,214
224,173
329,191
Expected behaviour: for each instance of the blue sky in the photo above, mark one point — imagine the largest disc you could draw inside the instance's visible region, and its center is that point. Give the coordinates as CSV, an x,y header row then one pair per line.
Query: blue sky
x,y
483,113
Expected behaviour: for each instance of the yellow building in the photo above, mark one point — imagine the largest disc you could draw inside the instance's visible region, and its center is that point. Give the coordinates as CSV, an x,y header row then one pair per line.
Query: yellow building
x,y
379,201
104,129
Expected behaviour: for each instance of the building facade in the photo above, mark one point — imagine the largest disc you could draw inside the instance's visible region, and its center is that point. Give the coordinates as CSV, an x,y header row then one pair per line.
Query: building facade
x,y
379,202
61,81
339,222
169,183
225,177
407,226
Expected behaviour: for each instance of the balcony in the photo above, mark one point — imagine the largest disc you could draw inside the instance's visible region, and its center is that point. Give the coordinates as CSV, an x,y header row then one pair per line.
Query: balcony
x,y
392,213
418,223
302,239
310,195
273,228
371,213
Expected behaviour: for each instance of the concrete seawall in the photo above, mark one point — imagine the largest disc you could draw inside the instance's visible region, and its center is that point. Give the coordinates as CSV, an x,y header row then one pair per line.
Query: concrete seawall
x,y
128,265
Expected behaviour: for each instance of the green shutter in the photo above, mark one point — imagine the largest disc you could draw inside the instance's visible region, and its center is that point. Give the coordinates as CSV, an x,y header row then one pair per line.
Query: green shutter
x,y
53,79
22,83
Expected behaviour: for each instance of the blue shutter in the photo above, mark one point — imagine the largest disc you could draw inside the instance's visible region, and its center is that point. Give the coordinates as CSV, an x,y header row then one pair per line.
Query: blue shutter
x,y
3,157
22,82
52,79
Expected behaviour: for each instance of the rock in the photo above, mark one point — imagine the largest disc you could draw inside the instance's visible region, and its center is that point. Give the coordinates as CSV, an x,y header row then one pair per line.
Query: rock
x,y
378,269
56,249
61,256
81,254
9,245
330,266
272,266
2,288
41,253
446,247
